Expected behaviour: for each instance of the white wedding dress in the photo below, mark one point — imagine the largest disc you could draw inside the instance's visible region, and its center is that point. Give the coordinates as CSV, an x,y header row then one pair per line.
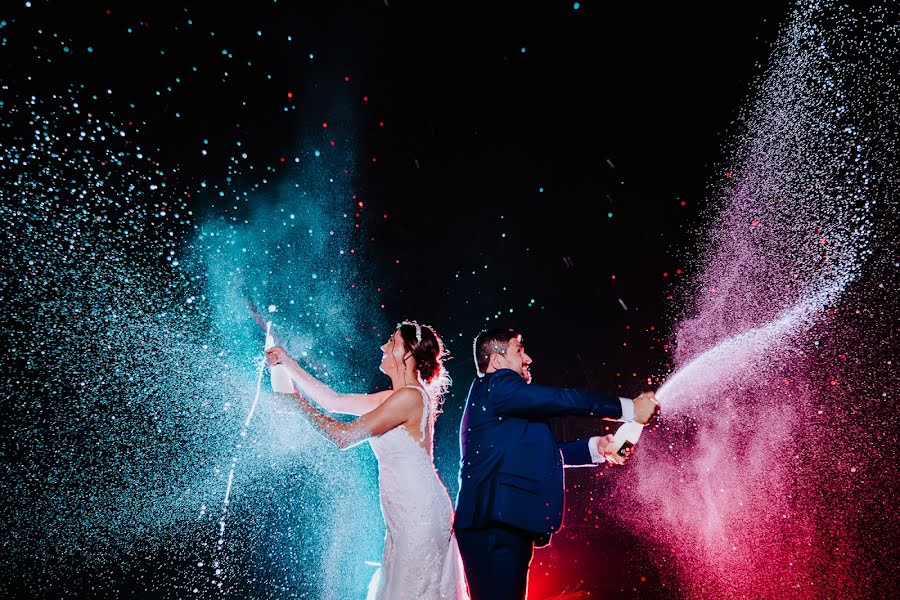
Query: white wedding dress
x,y
421,559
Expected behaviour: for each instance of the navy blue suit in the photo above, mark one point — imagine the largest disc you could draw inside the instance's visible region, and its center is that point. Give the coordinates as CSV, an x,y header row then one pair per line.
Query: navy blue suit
x,y
511,475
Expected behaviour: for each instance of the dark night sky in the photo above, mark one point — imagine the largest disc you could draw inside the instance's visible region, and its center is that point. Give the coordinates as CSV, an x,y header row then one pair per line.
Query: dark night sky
x,y
473,127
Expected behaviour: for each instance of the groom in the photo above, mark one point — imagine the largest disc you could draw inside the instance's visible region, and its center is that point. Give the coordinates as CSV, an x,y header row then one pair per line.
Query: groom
x,y
511,472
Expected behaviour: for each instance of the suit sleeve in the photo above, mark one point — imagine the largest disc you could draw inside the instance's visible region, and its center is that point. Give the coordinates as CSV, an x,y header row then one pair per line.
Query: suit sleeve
x,y
577,453
510,395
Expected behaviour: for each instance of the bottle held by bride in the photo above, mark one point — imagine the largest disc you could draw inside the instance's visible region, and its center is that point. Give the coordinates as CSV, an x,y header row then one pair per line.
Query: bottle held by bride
x,y
281,379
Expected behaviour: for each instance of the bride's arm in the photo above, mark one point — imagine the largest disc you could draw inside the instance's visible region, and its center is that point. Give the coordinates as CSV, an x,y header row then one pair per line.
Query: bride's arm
x,y
396,410
324,396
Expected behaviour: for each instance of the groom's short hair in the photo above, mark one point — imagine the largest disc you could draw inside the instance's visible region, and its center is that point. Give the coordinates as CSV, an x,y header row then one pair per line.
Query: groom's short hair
x,y
490,341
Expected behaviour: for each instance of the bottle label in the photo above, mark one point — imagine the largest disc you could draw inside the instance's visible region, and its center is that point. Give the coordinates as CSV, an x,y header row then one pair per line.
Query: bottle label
x,y
624,449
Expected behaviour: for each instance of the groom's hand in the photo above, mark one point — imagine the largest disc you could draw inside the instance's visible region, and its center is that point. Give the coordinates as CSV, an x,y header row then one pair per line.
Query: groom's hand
x,y
645,408
608,451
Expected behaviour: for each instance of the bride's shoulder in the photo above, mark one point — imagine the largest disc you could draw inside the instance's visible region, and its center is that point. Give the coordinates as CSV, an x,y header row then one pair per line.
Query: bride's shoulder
x,y
405,393
407,397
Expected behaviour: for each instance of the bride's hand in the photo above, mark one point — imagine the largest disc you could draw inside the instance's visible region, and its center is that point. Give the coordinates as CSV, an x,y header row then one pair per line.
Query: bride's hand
x,y
276,355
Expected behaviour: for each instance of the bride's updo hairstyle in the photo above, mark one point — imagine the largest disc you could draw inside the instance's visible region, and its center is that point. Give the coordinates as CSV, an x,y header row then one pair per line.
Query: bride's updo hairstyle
x,y
427,349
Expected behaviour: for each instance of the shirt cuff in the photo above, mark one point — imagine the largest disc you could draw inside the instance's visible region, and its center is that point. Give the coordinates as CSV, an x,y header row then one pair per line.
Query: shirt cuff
x,y
627,410
596,457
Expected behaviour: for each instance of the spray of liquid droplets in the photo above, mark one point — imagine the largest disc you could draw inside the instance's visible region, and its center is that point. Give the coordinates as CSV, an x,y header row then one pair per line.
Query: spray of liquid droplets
x,y
318,315
765,479
138,369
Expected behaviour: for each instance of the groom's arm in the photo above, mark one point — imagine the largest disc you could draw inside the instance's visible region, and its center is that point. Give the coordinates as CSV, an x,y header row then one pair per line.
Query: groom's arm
x,y
578,453
589,452
511,395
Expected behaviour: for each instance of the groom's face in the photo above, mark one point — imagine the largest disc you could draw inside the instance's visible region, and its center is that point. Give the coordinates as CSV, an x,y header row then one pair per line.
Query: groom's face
x,y
516,359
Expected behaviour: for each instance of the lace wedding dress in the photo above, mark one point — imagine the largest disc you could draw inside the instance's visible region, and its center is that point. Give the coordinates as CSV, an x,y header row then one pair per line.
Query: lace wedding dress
x,y
421,559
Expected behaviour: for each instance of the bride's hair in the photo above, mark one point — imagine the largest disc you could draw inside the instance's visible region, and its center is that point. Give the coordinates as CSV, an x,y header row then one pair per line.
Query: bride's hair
x,y
427,348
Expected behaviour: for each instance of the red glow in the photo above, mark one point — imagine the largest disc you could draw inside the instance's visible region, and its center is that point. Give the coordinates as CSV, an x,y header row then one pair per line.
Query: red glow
x,y
325,125
290,95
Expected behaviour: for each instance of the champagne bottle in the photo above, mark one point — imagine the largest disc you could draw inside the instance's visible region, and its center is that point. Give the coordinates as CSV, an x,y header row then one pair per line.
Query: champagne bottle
x,y
626,437
281,379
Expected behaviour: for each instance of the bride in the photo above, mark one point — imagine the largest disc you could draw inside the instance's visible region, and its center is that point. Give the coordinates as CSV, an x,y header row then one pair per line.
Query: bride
x,y
421,558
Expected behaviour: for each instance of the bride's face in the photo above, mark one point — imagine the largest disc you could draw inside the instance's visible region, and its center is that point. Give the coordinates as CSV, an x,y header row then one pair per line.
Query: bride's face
x,y
392,353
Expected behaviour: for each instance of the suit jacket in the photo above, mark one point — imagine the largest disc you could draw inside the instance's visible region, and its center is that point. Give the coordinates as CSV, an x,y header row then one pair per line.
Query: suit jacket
x,y
511,470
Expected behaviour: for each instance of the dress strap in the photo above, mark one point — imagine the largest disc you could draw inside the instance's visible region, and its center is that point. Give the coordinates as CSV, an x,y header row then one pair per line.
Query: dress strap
x,y
425,410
